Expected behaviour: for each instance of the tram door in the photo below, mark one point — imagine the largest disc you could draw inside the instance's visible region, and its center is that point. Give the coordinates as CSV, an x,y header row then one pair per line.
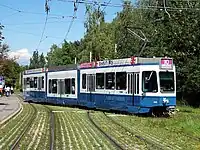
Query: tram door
x,y
90,86
133,87
61,87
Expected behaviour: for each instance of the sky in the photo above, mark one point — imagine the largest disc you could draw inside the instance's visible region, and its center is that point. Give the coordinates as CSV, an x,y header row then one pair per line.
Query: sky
x,y
24,21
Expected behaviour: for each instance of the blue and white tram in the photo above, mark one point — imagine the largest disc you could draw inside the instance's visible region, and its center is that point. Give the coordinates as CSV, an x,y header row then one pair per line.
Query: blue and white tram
x,y
34,87
62,85
135,85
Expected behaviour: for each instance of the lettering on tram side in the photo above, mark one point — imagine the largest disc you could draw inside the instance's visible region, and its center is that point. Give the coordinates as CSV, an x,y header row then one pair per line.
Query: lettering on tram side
x,y
126,61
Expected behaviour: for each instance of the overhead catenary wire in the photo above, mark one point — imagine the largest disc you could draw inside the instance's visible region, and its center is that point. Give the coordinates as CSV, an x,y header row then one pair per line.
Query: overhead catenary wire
x,y
41,39
47,9
34,23
33,34
106,6
72,21
29,12
6,17
92,2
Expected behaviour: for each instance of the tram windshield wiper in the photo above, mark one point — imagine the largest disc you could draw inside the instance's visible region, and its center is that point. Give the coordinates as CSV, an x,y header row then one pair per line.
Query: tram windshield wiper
x,y
147,79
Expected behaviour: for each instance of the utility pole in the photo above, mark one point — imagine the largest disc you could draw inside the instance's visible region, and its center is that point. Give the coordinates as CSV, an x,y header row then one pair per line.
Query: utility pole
x,y
90,56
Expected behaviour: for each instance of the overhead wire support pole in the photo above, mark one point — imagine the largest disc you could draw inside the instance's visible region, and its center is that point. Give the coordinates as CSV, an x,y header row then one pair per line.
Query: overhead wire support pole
x,y
47,9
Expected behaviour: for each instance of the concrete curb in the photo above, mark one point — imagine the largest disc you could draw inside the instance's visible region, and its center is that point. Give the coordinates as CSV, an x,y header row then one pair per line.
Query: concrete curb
x,y
13,114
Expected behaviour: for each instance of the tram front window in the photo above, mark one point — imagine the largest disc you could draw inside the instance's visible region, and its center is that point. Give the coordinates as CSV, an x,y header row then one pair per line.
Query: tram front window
x,y
166,81
149,81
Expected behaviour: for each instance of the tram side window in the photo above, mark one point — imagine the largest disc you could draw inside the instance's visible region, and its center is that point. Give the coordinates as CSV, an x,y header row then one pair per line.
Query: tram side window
x,y
42,82
35,82
54,86
120,80
110,80
31,82
149,81
50,86
67,86
73,85
70,86
26,83
100,81
83,81
166,81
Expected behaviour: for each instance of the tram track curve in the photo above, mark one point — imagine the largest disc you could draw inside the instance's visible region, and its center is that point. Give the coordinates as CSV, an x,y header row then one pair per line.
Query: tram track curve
x,y
117,145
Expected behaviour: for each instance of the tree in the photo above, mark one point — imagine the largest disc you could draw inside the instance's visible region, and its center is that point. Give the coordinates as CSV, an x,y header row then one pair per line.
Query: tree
x,y
42,61
4,49
170,33
1,37
34,60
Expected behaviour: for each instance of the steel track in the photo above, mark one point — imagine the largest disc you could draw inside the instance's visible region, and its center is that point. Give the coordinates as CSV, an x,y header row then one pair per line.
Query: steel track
x,y
16,143
52,127
114,143
138,136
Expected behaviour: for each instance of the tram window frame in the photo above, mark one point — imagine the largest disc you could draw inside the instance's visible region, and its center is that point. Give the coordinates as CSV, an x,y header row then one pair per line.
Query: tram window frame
x,y
31,82
170,82
67,86
138,83
27,82
54,88
148,79
35,79
39,83
110,86
84,81
50,86
24,83
100,81
70,86
73,87
121,80
42,81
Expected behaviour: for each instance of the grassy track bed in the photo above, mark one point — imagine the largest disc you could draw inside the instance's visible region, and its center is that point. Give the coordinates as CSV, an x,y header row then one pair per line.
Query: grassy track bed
x,y
38,135
74,131
124,138
188,122
14,127
168,131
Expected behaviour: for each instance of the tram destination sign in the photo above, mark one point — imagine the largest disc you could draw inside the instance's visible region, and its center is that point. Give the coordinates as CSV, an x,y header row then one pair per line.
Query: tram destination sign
x,y
38,70
166,63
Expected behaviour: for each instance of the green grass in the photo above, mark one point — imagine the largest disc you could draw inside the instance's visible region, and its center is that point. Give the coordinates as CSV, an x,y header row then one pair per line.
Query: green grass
x,y
126,139
38,135
179,130
14,127
74,131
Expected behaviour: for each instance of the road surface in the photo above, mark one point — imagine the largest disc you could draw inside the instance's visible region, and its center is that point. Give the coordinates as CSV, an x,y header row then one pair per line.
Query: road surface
x,y
8,106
